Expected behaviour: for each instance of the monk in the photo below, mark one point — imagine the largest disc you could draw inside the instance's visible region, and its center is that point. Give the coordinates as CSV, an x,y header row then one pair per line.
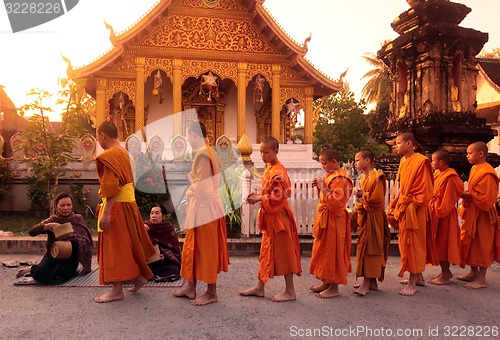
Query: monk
x,y
480,231
279,250
331,252
448,188
410,208
204,253
124,244
374,236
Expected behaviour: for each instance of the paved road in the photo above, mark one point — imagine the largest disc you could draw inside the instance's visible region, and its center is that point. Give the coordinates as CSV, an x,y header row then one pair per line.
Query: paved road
x,y
31,312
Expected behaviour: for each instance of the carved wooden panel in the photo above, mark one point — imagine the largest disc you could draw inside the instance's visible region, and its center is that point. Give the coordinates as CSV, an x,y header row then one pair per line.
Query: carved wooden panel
x,y
125,86
227,5
224,69
292,92
126,64
158,63
263,69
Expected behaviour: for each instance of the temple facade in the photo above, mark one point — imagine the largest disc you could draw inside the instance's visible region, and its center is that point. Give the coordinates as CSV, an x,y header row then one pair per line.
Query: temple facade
x,y
226,63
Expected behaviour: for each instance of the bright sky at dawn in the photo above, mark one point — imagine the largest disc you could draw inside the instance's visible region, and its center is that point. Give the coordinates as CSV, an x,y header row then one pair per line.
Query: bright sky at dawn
x,y
342,30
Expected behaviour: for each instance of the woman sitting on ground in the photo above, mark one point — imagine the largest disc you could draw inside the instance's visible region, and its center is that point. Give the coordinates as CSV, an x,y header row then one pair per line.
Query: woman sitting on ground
x,y
163,234
52,270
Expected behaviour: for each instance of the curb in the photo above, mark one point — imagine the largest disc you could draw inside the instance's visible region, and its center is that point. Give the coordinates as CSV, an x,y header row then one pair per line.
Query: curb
x,y
236,247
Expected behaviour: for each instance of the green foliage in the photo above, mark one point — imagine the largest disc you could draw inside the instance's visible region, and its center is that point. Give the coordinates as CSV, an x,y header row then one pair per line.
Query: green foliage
x,y
146,200
230,193
378,119
80,197
37,192
378,85
341,125
5,177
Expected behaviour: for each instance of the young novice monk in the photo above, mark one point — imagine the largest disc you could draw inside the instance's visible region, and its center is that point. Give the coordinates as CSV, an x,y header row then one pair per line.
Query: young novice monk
x,y
480,233
279,250
330,260
410,208
374,236
447,190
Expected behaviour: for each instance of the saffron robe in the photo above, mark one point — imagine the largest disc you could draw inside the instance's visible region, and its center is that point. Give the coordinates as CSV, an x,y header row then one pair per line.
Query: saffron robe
x,y
204,253
374,236
279,249
330,259
125,246
480,230
448,188
412,211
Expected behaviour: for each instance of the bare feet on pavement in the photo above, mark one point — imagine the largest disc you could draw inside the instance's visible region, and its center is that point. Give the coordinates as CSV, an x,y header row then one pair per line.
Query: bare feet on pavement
x,y
205,299
109,296
138,283
185,292
281,297
254,291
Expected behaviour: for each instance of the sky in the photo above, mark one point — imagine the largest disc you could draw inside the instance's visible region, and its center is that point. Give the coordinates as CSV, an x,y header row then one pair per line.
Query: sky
x,y
342,31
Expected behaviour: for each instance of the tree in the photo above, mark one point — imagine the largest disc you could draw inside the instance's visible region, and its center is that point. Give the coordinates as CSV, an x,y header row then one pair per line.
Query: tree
x,y
495,53
341,125
378,86
53,149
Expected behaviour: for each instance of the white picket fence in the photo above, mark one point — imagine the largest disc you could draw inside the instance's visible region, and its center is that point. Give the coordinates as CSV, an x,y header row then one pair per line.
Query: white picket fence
x,y
303,201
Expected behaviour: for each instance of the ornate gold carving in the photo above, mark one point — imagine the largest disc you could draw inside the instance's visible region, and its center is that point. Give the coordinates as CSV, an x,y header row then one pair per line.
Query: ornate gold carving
x,y
293,92
227,5
125,86
263,69
288,75
126,64
158,63
224,69
207,33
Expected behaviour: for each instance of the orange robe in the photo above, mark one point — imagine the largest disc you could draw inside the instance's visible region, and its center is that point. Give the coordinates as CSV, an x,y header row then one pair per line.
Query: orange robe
x,y
280,249
480,231
374,235
331,253
125,246
204,253
412,211
448,188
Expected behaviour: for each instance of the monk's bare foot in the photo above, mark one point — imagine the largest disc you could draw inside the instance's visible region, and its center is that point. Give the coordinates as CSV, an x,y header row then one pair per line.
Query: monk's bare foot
x,y
331,291
185,292
109,296
205,299
362,290
468,277
476,284
138,283
373,285
23,272
441,279
409,290
281,297
254,291
319,288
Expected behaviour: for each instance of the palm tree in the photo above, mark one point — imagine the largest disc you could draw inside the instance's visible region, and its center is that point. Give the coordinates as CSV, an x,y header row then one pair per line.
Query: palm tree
x,y
378,86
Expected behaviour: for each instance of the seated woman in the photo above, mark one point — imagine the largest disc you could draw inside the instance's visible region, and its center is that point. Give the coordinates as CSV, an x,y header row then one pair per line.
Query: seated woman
x,y
163,234
56,271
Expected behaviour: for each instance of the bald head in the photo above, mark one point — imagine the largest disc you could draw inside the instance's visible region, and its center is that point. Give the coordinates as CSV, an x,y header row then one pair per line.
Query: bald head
x,y
442,155
408,137
480,147
330,154
109,129
365,153
272,142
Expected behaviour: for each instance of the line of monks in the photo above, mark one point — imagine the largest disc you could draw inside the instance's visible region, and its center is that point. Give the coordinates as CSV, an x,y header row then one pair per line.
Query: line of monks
x,y
423,209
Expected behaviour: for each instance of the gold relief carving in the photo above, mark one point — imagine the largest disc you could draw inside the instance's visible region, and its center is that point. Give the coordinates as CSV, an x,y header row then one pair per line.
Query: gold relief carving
x,y
224,69
125,86
158,63
288,74
205,33
292,92
127,64
263,69
228,5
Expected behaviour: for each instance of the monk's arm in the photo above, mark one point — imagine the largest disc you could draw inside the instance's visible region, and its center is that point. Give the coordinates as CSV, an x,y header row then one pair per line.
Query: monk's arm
x,y
110,188
339,194
377,195
485,193
446,205
422,186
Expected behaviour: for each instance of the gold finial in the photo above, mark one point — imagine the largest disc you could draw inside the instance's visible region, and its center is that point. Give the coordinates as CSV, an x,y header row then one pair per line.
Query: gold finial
x,y
307,40
69,68
111,30
245,148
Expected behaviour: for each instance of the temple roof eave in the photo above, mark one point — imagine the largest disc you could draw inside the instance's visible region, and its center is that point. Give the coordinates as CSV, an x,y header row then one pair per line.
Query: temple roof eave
x,y
319,80
97,64
487,77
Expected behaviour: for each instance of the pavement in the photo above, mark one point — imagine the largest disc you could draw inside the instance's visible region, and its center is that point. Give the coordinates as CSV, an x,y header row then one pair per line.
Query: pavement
x,y
435,312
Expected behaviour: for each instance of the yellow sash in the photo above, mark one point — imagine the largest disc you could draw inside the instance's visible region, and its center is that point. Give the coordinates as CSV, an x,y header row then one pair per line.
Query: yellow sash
x,y
126,194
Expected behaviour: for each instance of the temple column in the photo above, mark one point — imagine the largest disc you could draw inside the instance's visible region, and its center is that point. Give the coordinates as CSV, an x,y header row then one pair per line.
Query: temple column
x,y
100,115
140,62
308,119
242,96
276,102
177,95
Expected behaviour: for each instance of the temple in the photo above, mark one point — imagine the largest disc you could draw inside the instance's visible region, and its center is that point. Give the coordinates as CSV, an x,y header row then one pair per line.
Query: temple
x,y
229,60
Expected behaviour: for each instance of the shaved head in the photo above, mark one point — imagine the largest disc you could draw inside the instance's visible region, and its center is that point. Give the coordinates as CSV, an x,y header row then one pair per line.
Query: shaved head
x,y
480,147
109,129
365,153
408,136
330,154
272,142
443,155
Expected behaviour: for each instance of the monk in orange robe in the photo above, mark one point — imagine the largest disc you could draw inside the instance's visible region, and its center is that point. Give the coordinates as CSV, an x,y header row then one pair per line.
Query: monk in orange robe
x,y
124,244
480,231
444,217
204,253
374,235
331,253
280,249
411,209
